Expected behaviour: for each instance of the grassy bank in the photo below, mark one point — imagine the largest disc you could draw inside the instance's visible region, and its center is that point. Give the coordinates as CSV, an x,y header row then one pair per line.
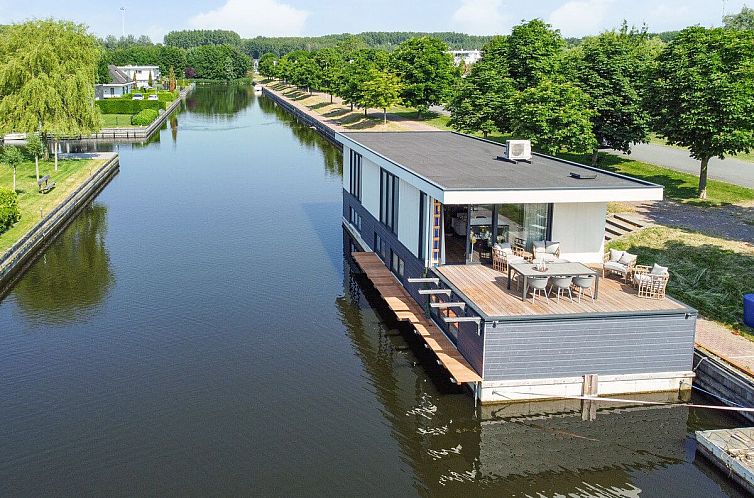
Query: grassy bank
x,y
709,273
70,174
117,121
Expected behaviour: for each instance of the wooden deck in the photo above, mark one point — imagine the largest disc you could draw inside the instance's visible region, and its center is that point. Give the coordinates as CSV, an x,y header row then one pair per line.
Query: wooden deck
x,y
487,289
406,309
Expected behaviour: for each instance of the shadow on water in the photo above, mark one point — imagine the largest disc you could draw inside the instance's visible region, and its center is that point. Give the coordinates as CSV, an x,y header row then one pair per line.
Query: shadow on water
x,y
73,276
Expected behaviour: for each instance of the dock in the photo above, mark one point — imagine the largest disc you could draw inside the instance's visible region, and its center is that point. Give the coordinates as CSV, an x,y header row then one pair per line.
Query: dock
x,y
732,450
406,309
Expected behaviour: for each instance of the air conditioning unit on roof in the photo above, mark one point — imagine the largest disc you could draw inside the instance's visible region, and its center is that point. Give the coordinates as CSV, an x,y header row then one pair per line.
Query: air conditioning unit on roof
x,y
518,150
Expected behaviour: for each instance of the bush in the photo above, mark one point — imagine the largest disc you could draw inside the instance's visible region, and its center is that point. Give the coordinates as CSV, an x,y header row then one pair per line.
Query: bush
x,y
145,117
9,212
128,106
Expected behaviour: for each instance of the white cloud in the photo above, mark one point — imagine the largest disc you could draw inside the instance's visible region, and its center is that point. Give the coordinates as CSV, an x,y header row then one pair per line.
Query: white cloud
x,y
481,17
248,19
581,17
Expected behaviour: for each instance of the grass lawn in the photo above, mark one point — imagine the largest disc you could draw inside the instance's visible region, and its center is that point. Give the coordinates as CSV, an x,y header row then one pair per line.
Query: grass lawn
x,y
708,273
70,174
117,121
431,118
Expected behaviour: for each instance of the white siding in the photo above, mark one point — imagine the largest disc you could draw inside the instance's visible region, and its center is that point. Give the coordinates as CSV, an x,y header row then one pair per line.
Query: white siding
x,y
580,229
346,168
408,217
370,187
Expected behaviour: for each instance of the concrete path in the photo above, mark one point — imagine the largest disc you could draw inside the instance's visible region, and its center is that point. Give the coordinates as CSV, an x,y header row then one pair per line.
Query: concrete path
x,y
729,170
734,349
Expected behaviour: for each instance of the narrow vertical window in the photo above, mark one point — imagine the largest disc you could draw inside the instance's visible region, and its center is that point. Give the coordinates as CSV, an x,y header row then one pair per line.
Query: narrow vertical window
x,y
422,223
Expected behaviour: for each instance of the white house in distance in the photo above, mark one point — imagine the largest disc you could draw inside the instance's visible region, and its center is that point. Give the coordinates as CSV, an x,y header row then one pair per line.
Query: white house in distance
x,y
120,84
142,74
432,206
468,57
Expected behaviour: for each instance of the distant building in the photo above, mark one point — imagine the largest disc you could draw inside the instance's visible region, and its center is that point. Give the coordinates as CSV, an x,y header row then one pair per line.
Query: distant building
x,y
120,84
466,56
142,74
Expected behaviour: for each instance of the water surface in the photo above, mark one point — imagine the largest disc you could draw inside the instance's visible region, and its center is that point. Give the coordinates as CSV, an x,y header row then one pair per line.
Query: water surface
x,y
196,331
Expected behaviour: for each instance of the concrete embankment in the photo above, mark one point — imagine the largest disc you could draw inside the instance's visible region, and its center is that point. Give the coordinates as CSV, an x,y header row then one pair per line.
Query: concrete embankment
x,y
16,259
303,115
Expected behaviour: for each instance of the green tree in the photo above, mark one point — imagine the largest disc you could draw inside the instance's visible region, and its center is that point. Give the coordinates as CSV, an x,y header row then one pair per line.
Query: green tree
x,y
171,80
267,65
702,94
47,74
554,116
381,90
356,71
35,148
426,70
12,156
150,81
611,70
210,62
742,20
330,63
534,53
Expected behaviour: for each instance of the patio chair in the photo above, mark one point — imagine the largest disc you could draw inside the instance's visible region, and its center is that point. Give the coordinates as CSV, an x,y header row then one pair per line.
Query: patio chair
x,y
502,256
546,250
562,284
582,284
651,282
538,286
519,249
619,263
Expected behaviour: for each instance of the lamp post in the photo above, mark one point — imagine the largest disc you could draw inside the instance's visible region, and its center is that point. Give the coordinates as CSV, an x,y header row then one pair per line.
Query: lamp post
x,y
123,21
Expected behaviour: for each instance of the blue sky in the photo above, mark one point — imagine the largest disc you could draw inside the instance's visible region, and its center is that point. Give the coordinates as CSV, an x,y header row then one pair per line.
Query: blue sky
x,y
306,17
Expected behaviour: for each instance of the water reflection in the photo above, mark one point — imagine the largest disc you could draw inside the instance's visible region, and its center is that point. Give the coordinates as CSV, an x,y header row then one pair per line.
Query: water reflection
x,y
73,276
542,449
220,101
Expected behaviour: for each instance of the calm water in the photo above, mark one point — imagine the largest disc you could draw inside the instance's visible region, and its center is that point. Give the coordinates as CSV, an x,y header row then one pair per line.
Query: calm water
x,y
197,332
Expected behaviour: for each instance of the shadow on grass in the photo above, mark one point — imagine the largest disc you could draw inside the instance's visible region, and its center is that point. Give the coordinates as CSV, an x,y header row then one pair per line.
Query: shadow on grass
x,y
336,113
708,277
314,107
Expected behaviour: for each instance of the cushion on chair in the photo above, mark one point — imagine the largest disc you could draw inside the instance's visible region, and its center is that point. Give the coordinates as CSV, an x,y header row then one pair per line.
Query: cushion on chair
x,y
642,278
505,248
659,270
538,246
515,259
627,259
615,266
615,255
552,247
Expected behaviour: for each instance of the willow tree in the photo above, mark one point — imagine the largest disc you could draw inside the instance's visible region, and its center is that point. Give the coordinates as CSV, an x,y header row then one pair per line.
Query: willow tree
x,y
47,73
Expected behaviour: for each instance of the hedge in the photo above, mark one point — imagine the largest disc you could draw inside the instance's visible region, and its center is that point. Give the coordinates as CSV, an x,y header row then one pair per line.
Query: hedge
x,y
144,117
128,106
9,211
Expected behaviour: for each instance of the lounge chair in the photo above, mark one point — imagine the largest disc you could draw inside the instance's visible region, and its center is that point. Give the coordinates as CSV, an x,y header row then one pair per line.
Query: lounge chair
x,y
546,250
620,263
651,282
502,256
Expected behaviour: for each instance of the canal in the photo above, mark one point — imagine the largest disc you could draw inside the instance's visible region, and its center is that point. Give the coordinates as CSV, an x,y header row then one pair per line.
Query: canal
x,y
196,331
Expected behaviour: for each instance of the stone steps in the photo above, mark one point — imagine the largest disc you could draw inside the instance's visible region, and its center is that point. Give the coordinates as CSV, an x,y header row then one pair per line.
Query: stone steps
x,y
620,224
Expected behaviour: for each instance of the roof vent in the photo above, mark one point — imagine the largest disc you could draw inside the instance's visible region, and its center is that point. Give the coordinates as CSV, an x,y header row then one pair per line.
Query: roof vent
x,y
518,150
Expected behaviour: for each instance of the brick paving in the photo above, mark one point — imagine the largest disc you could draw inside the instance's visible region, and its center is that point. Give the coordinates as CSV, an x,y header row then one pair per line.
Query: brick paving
x,y
734,349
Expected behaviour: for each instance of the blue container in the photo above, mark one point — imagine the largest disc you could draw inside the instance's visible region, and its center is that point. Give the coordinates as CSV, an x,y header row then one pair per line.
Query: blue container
x,y
749,309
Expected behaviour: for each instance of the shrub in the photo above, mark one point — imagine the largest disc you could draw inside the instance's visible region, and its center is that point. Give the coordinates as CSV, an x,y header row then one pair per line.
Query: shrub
x,y
145,117
128,106
9,211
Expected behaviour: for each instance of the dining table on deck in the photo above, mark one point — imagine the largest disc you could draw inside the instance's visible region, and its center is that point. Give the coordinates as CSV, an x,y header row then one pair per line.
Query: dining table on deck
x,y
528,270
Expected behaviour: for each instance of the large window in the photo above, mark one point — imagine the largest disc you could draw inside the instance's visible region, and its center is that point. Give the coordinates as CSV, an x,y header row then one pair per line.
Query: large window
x,y
355,163
529,222
389,200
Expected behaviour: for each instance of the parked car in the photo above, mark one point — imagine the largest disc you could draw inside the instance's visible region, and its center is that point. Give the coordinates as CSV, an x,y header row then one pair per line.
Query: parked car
x,y
153,97
137,96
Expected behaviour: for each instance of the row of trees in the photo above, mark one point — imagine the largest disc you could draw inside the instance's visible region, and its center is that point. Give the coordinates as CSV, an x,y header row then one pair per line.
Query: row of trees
x,y
419,72
613,90
205,61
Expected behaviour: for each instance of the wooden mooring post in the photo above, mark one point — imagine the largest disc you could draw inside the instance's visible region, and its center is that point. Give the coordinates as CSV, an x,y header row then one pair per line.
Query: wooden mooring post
x,y
589,388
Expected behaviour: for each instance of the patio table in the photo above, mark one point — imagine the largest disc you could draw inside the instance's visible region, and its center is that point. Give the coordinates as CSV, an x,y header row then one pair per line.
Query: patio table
x,y
528,270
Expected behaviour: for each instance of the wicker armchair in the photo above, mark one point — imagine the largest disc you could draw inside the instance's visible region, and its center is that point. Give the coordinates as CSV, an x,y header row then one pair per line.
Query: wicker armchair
x,y
650,285
502,256
519,249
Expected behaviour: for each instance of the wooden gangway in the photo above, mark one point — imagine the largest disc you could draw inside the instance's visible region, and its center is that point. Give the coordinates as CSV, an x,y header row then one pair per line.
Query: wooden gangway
x,y
406,309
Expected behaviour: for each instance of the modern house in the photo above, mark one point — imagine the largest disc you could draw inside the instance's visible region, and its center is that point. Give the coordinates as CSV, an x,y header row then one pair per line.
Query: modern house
x,y
141,74
431,205
120,84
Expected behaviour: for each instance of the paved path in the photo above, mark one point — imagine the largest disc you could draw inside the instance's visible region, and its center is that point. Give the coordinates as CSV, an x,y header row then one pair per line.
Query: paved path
x,y
729,170
735,349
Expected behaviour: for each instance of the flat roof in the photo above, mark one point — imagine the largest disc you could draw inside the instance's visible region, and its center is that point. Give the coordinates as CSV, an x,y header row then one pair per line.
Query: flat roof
x,y
454,161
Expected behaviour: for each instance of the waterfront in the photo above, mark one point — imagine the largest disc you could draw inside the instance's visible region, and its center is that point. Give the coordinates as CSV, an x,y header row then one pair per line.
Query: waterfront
x,y
197,332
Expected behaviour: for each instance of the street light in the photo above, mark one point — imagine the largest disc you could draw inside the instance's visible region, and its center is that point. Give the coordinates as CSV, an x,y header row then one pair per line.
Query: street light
x,y
123,21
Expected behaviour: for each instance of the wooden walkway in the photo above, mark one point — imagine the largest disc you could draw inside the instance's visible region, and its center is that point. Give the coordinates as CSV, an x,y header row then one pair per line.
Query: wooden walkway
x,y
732,450
406,309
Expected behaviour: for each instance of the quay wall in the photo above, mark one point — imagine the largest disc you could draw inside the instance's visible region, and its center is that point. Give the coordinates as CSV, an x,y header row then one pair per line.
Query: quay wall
x,y
19,256
305,117
731,385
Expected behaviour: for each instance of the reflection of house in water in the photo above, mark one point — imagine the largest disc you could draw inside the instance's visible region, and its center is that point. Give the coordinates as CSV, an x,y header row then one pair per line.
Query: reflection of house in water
x,y
519,449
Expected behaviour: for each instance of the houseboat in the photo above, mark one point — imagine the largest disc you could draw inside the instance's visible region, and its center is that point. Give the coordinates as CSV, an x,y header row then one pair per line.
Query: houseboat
x,y
426,216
